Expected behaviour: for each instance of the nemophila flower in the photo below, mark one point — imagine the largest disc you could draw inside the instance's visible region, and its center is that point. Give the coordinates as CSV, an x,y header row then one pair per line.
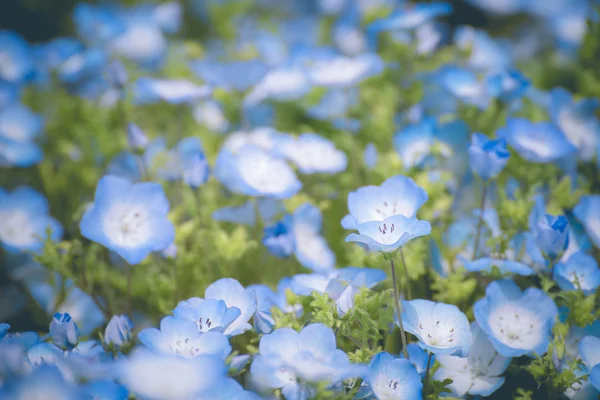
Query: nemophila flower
x,y
284,83
414,143
118,330
391,378
105,390
82,66
234,295
463,84
398,195
233,75
129,219
25,221
507,85
551,235
209,113
196,170
41,383
517,323
264,137
485,52
286,357
148,90
19,127
310,247
342,71
208,314
17,61
125,165
312,153
540,142
186,338
136,138
487,157
254,172
479,373
347,33
512,261
168,16
589,350
231,390
279,238
64,331
579,272
588,212
419,358
441,328
159,376
391,234
246,213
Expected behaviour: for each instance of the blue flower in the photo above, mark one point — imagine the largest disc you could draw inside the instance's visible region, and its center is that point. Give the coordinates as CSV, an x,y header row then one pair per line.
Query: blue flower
x,y
540,142
129,219
505,266
118,330
579,272
39,384
279,238
254,172
414,143
125,165
441,328
105,390
589,349
168,16
340,71
398,195
487,157
25,220
479,373
419,358
311,248
284,83
209,315
516,323
588,212
196,170
551,235
117,74
233,75
393,378
312,153
185,338
463,84
245,214
234,295
18,129
391,234
17,61
210,114
507,85
485,52
136,138
64,331
148,90
3,330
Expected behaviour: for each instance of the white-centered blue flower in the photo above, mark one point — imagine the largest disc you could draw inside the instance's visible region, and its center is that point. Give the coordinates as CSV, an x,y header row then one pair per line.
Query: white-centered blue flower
x,y
579,272
234,295
538,142
441,328
284,83
340,71
148,90
587,212
25,220
209,315
264,137
19,127
390,234
517,323
398,195
479,373
312,153
16,56
254,172
392,378
414,143
129,219
184,338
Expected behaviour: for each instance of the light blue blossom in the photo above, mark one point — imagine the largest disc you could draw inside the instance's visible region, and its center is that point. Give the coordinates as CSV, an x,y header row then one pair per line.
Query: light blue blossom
x,y
419,358
38,384
341,71
279,238
347,33
210,114
485,52
551,235
168,16
25,221
392,378
441,328
398,195
264,137
208,314
3,330
479,373
136,138
186,338
19,127
487,157
589,350
117,74
414,143
579,272
148,90
185,158
310,247
254,172
540,142
233,75
118,330
196,170
312,153
284,83
463,84
105,390
507,84
391,234
517,323
129,219
17,61
588,212
246,213
234,295
64,331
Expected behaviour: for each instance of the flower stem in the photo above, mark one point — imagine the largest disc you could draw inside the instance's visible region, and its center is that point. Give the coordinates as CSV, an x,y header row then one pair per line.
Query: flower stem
x,y
129,284
480,222
426,385
398,309
406,279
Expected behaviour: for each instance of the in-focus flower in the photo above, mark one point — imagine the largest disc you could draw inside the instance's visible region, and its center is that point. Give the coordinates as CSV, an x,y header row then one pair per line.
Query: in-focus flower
x,y
551,235
441,328
579,272
234,295
589,350
479,373
254,172
312,153
517,323
398,195
136,138
393,378
279,238
129,219
209,315
588,212
148,90
185,338
487,157
118,330
25,221
64,331
391,234
540,142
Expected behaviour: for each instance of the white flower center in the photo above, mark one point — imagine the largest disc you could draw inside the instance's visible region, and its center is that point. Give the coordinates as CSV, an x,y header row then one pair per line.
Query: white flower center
x,y
184,347
127,225
438,333
387,388
285,375
264,173
515,326
534,143
16,229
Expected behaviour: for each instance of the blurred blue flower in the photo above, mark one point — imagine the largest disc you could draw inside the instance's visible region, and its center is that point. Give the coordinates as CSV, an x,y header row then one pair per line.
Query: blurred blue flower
x,y
39,383
168,16
487,157
391,234
19,127
210,114
209,315
25,221
84,65
312,153
279,238
341,72
463,84
129,219
234,75
551,235
539,142
284,83
347,33
125,165
414,142
579,272
589,349
118,330
183,337
441,328
390,378
588,212
245,214
149,90
136,138
507,85
479,373
17,62
64,331
117,74
311,248
486,53
105,390
196,170
517,323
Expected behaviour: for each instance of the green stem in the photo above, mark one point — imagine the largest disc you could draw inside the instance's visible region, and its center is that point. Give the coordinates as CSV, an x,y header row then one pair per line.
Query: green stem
x,y
406,278
480,222
398,309
129,285
426,385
